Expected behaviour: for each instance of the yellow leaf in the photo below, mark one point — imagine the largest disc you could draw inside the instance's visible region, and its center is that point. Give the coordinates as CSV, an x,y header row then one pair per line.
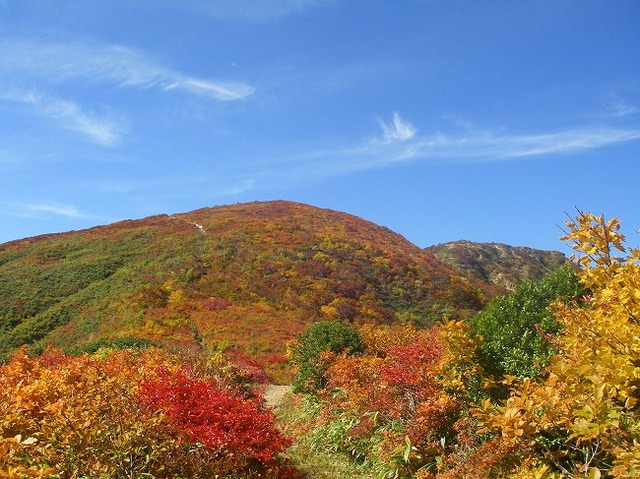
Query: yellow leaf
x,y
594,473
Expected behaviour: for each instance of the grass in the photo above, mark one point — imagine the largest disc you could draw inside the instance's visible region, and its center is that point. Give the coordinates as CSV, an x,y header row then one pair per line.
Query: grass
x,y
313,461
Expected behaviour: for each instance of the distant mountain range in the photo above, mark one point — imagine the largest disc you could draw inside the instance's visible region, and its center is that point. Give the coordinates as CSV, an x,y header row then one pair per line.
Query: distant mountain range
x,y
244,279
498,264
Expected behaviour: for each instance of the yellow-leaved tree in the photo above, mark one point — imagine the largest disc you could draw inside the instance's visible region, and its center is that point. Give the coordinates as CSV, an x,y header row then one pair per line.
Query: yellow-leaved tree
x,y
580,417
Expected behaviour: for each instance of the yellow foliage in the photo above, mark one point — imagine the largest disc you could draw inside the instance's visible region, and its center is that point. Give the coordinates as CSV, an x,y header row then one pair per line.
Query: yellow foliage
x,y
588,395
534,470
461,369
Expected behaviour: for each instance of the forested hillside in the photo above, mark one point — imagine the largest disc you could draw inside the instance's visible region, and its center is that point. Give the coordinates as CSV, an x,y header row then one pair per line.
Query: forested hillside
x,y
245,278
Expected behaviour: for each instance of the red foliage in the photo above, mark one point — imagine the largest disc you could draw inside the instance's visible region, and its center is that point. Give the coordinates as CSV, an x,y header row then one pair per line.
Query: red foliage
x,y
397,378
276,358
215,304
251,370
235,428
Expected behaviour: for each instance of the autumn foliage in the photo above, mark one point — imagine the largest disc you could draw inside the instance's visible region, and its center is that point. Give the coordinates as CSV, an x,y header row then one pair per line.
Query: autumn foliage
x,y
530,389
126,414
581,416
251,278
384,405
232,427
422,403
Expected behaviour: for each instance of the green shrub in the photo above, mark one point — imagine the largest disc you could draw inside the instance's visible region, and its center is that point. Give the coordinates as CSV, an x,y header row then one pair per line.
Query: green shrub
x,y
516,328
333,336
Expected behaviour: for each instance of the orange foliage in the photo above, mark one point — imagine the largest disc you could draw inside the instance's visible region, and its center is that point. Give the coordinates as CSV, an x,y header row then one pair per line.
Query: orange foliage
x,y
85,416
396,382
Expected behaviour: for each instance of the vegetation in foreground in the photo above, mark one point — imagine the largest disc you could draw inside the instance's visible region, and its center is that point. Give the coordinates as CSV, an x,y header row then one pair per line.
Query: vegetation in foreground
x,y
385,401
133,414
444,403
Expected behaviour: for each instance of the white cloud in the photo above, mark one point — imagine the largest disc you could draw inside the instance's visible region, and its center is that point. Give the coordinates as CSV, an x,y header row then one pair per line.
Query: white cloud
x,y
33,210
397,131
177,186
491,146
105,131
619,107
242,186
218,90
96,62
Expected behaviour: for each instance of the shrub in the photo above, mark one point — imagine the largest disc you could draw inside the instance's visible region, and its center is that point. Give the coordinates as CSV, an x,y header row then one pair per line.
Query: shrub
x,y
580,418
517,330
124,415
237,431
393,399
306,353
124,342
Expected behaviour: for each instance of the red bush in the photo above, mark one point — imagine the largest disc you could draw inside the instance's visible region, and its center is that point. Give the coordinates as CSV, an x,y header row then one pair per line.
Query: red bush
x,y
233,427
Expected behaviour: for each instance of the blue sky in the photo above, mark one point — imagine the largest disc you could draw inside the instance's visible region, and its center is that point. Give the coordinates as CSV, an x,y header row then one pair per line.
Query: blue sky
x,y
484,121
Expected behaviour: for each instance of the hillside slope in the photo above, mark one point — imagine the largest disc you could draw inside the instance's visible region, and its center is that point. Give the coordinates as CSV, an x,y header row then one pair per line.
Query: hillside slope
x,y
496,263
245,277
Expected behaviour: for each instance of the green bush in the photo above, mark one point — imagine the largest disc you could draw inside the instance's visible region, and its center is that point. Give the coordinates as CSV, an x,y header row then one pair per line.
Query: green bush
x,y
334,336
516,328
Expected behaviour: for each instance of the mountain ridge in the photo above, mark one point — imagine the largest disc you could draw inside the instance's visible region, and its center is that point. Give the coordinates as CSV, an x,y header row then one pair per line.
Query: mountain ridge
x,y
498,263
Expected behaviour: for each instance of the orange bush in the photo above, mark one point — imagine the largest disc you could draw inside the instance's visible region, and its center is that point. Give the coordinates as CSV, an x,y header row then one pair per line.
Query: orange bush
x,y
394,390
83,416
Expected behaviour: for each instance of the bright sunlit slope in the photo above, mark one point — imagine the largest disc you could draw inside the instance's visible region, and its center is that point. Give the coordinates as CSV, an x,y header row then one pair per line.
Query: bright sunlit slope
x,y
246,277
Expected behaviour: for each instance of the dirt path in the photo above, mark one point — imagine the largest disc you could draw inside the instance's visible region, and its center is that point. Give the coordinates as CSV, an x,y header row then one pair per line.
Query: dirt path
x,y
274,395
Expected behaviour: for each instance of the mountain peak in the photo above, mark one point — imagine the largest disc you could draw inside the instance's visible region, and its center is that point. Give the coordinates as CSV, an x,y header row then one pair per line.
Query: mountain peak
x,y
244,277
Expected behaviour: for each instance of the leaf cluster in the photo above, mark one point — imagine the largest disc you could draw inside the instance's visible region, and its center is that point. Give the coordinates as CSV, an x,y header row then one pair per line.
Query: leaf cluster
x,y
580,417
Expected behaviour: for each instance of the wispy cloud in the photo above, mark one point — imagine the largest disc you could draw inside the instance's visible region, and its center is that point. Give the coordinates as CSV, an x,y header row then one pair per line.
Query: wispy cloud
x,y
105,130
241,186
503,146
34,210
97,62
178,186
401,143
618,107
397,131
218,90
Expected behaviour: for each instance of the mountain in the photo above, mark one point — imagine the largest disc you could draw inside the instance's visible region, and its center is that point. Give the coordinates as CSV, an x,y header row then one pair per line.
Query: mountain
x,y
244,279
499,264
